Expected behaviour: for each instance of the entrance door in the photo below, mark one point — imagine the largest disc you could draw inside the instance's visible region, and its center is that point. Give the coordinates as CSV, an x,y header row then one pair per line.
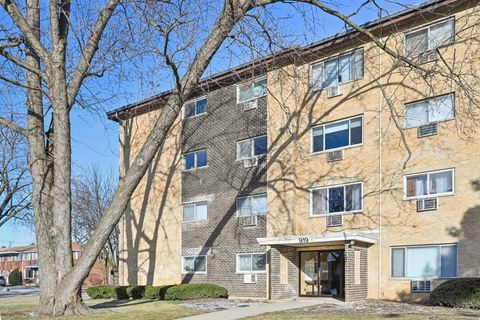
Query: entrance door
x,y
322,273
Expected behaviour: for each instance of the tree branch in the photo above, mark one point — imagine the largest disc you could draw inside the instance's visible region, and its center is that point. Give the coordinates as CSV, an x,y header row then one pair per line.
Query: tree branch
x,y
17,83
14,12
354,26
89,51
12,126
22,64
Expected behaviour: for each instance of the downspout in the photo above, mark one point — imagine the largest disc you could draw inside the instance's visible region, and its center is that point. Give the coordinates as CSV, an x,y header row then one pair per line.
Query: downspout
x,y
380,177
269,289
121,254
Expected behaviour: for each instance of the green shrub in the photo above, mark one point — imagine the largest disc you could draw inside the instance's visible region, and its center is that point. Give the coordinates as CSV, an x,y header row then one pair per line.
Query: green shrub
x,y
135,292
120,292
155,292
458,293
175,292
108,292
15,278
100,292
195,291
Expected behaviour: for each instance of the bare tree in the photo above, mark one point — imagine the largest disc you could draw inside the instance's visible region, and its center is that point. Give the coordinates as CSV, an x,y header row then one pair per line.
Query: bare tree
x,y
50,75
57,61
92,191
14,177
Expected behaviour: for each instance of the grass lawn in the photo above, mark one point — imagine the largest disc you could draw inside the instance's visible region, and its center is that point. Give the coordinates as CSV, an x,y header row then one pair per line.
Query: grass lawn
x,y
15,308
342,316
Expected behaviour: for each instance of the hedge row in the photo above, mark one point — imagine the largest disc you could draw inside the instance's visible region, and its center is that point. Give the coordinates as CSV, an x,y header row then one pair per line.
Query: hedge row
x,y
173,292
458,293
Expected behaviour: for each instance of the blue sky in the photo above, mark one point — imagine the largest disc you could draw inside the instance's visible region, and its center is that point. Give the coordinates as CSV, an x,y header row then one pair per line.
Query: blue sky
x,y
95,138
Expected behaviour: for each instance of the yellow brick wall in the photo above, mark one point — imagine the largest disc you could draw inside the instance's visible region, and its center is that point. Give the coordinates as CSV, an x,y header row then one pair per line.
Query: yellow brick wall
x,y
150,248
380,161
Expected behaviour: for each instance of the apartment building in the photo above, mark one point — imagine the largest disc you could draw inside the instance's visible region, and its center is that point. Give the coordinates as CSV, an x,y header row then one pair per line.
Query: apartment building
x,y
25,259
334,170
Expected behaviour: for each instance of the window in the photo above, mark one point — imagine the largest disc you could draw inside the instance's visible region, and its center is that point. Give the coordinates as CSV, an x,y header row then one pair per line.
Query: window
x,y
337,134
438,261
436,183
338,70
29,273
193,264
26,256
252,205
34,256
17,257
430,37
194,160
336,199
2,259
195,108
251,262
10,258
251,148
76,255
431,110
251,90
195,211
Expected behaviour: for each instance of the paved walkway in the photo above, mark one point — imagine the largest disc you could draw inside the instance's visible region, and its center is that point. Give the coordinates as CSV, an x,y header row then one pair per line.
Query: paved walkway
x,y
253,310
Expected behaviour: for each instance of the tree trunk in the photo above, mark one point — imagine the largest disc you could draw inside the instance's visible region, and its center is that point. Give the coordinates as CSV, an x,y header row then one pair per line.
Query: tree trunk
x,y
71,283
62,294
40,165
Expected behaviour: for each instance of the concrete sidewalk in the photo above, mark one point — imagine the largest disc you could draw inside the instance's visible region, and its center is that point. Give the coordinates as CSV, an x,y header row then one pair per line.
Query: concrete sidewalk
x,y
253,310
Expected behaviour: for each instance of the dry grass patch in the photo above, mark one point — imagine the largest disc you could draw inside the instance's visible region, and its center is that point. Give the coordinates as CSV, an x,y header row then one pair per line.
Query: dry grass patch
x,y
308,316
19,308
375,310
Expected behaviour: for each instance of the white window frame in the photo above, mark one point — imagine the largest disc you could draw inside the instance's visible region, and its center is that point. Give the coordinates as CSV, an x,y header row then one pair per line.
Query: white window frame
x,y
194,160
26,254
428,99
17,257
237,262
339,148
10,258
428,26
253,156
422,246
252,196
344,204
194,272
322,61
251,83
194,204
195,102
34,255
435,195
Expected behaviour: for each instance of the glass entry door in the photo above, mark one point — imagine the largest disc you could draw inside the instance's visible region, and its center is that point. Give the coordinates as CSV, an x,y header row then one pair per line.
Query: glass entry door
x,y
322,273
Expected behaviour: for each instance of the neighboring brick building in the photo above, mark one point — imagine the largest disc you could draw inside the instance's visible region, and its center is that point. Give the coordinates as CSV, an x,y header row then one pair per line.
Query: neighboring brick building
x,y
25,259
352,212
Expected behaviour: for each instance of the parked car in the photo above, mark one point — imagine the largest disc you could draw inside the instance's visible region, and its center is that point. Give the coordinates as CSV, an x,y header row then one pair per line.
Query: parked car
x,y
3,282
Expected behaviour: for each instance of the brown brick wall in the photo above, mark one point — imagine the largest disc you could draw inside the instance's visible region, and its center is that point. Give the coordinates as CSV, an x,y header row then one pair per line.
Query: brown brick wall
x,y
284,290
356,291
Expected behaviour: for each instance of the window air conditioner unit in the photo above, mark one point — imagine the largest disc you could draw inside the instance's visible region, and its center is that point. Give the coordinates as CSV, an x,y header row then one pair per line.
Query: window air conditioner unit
x,y
421,285
248,105
336,220
249,278
251,162
334,91
336,155
428,56
427,204
250,221
427,130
